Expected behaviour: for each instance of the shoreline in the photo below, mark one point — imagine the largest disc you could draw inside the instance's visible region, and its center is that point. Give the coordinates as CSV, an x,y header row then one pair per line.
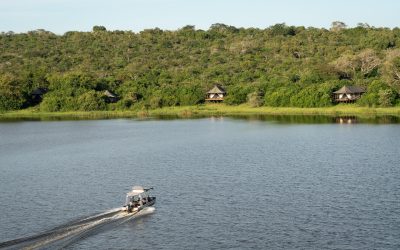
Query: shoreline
x,y
205,111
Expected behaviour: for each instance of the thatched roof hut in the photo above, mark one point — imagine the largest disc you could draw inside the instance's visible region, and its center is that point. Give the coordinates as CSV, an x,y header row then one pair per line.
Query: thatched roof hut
x,y
216,94
37,95
348,93
110,96
39,91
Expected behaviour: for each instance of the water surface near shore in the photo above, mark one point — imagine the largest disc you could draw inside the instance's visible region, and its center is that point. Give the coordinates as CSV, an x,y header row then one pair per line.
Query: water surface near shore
x,y
220,182
284,119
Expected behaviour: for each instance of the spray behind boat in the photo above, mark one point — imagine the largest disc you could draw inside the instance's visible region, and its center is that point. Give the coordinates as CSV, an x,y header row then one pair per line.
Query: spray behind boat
x,y
139,198
139,203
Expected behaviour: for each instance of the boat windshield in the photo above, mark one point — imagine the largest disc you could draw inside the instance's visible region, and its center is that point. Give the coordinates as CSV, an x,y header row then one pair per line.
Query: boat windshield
x,y
137,194
132,198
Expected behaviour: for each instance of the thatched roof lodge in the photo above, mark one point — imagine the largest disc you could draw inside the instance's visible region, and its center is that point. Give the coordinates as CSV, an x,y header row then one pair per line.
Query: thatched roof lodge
x,y
110,96
348,94
37,95
39,91
216,94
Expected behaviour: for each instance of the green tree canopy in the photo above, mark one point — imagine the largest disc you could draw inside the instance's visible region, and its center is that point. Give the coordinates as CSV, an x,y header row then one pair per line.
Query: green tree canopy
x,y
277,66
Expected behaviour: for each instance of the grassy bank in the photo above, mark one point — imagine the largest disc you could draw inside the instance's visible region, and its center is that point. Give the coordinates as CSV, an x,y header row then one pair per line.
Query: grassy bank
x,y
207,110
203,111
35,114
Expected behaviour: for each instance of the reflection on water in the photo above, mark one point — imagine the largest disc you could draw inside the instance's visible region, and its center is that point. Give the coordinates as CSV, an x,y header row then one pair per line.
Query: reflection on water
x,y
346,119
284,119
311,119
222,183
320,119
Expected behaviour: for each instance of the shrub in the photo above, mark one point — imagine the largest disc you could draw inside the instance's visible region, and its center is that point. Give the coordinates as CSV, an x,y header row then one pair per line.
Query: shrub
x,y
50,104
10,102
90,101
191,96
387,97
378,94
313,96
237,94
11,96
255,99
280,97
155,102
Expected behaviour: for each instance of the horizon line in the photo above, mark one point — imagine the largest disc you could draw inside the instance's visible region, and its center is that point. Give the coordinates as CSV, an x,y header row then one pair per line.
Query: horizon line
x,y
200,29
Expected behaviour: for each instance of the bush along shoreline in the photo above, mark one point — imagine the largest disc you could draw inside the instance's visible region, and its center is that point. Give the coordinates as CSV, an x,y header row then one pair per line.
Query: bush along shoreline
x,y
279,66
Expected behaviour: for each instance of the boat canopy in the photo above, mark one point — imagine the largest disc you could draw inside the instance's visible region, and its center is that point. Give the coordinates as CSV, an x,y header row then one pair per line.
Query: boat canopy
x,y
137,194
136,190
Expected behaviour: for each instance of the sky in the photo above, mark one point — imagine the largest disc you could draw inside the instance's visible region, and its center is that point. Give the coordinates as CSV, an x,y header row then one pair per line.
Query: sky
x,y
60,16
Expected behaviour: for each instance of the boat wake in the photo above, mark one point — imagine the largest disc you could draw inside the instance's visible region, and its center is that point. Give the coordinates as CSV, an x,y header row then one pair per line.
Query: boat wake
x,y
74,231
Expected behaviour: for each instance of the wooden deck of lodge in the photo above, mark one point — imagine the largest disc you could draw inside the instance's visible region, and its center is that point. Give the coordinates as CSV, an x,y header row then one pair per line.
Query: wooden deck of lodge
x,y
217,99
346,99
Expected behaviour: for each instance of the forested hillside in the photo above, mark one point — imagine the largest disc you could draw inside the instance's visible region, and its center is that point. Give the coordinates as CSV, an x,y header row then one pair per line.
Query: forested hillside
x,y
277,66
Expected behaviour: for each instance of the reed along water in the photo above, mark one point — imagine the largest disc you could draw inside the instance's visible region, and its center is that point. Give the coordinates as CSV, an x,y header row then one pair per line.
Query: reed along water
x,y
220,183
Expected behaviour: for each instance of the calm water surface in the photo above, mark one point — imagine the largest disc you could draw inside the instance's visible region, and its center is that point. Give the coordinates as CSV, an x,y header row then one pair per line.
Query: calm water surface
x,y
220,183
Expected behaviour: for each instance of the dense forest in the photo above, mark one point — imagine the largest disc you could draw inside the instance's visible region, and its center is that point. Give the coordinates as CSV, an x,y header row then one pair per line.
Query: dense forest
x,y
277,66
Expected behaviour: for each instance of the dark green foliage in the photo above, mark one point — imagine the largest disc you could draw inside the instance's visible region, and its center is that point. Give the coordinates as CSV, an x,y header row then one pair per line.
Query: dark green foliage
x,y
11,96
238,94
53,103
277,66
72,91
99,28
280,97
283,30
387,97
378,94
318,95
255,99
191,95
90,100
155,101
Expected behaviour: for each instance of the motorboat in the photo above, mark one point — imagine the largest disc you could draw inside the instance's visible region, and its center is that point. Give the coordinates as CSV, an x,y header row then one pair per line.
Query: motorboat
x,y
139,198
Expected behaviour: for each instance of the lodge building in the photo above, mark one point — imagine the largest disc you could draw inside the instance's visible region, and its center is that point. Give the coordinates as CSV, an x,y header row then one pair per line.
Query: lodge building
x,y
110,97
216,94
348,94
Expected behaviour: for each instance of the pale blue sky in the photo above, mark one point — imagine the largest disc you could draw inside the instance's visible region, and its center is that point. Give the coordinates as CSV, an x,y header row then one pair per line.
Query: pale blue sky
x,y
63,15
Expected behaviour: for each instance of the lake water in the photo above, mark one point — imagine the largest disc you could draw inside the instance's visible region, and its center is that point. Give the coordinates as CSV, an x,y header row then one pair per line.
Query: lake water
x,y
220,182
